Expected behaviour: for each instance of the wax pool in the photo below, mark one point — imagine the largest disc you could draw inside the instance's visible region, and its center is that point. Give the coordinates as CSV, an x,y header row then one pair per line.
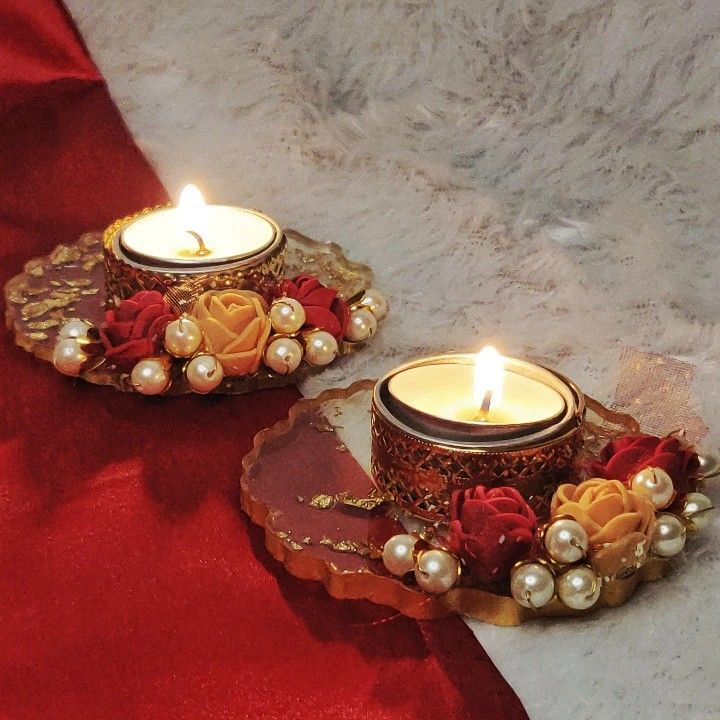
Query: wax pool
x,y
445,391
228,233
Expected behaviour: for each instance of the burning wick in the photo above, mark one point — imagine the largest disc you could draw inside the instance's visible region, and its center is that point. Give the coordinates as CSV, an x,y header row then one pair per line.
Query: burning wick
x,y
192,209
488,381
202,250
484,411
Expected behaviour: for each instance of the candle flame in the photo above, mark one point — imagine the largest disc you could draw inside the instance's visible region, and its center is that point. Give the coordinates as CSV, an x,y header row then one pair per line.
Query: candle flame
x,y
488,378
191,199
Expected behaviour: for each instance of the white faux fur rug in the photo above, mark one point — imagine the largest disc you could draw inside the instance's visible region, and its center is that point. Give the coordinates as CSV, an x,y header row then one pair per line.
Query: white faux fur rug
x,y
540,173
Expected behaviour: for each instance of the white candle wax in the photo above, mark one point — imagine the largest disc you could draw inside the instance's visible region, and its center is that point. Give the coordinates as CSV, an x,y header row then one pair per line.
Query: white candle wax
x,y
447,391
227,233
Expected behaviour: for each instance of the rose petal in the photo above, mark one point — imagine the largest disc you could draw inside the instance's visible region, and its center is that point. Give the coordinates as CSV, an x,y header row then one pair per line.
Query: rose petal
x,y
324,319
127,354
624,463
115,333
245,363
127,310
618,527
247,339
605,508
320,296
341,310
148,297
145,318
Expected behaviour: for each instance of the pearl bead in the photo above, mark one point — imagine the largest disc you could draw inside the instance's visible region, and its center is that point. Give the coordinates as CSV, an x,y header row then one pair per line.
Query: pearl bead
x,y
654,484
375,301
283,355
669,536
397,555
532,585
709,465
697,510
287,315
150,377
68,356
566,541
204,373
183,337
437,571
362,326
579,587
321,348
75,328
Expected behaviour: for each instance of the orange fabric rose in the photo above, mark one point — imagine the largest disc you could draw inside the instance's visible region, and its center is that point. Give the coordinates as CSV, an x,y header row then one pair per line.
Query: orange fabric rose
x,y
235,326
605,508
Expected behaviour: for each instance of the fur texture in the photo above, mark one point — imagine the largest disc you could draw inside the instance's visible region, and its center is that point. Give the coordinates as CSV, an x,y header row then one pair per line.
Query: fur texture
x,y
539,173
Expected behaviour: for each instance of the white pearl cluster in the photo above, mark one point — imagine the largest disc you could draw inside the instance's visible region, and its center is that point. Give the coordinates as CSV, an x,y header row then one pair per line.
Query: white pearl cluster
x,y
535,584
365,315
565,542
69,356
183,339
289,346
436,570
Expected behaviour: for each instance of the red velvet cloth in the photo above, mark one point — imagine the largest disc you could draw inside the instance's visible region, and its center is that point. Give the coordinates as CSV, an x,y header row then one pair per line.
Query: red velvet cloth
x,y
131,586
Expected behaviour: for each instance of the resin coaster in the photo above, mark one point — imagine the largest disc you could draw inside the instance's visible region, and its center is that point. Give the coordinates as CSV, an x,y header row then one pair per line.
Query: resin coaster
x,y
307,483
70,283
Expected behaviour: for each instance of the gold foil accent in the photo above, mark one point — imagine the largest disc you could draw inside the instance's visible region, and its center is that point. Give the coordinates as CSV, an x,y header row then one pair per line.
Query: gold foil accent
x,y
43,324
65,254
38,336
323,502
78,282
352,547
36,309
372,502
35,267
16,296
286,537
91,291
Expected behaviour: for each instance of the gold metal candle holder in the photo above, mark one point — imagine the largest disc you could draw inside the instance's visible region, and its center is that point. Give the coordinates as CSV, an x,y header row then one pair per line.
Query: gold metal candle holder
x,y
182,284
418,463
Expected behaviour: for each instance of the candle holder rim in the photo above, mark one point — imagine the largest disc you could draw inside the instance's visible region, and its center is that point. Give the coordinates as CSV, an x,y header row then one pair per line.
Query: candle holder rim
x,y
488,429
112,239
564,427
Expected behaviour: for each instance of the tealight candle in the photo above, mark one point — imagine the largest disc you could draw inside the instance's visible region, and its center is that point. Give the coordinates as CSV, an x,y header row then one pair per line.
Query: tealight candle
x,y
197,234
454,421
484,393
185,250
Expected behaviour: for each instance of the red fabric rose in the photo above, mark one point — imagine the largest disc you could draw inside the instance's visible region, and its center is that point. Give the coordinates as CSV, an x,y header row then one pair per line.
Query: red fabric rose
x,y
134,330
324,308
622,458
491,530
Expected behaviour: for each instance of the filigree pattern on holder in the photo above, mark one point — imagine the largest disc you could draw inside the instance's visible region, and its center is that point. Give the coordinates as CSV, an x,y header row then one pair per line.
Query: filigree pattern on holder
x,y
420,476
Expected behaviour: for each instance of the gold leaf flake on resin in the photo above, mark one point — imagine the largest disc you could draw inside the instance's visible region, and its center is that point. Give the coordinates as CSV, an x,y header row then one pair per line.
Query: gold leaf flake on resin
x,y
43,324
323,502
63,255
